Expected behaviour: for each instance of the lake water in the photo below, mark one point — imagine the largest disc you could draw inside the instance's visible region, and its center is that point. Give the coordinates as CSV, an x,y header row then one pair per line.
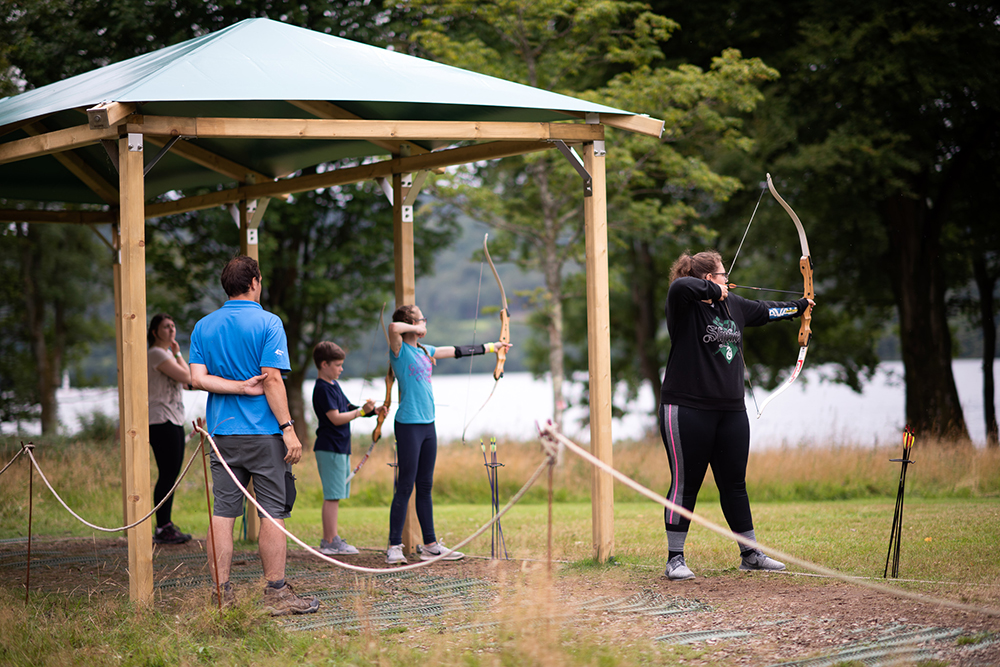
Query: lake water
x,y
812,411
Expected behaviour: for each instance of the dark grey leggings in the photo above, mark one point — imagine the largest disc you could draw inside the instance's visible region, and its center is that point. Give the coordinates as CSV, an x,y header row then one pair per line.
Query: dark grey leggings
x,y
695,439
416,452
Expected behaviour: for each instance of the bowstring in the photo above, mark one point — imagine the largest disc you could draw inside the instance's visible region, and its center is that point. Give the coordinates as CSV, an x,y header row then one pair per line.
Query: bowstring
x,y
475,326
743,358
747,231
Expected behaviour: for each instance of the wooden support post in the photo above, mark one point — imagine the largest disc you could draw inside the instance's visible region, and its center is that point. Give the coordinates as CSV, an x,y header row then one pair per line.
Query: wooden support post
x,y
402,223
595,215
116,275
134,400
248,247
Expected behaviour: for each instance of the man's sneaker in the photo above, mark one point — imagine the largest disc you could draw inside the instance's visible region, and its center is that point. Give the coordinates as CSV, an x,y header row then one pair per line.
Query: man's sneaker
x,y
228,596
677,569
336,547
756,560
169,534
428,552
283,601
394,555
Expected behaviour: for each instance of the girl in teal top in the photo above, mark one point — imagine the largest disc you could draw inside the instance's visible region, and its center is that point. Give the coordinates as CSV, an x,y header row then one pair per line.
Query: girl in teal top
x,y
416,438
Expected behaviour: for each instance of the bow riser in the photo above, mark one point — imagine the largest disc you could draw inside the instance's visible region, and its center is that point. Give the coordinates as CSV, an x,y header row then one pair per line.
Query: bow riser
x,y
805,328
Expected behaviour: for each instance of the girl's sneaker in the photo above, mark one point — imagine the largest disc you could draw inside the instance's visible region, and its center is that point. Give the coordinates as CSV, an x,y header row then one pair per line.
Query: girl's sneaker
x,y
394,555
428,552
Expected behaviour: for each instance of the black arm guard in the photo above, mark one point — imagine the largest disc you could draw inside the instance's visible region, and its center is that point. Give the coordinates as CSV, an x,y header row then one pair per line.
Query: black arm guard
x,y
469,350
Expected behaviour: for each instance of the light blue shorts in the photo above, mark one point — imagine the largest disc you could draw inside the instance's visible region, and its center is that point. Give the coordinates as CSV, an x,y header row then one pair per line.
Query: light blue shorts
x,y
333,471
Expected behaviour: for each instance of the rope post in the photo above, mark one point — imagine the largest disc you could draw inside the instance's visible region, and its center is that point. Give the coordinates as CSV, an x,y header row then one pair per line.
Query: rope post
x,y
31,505
211,532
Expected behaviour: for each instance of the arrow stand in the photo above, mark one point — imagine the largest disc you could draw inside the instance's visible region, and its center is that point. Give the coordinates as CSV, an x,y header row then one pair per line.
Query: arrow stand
x,y
897,518
492,468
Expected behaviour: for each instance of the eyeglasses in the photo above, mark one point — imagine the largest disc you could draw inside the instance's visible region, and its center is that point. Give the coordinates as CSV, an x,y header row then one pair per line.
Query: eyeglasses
x,y
725,275
422,319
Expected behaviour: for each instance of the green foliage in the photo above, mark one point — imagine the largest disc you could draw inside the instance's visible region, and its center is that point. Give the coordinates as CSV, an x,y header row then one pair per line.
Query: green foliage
x,y
97,427
53,276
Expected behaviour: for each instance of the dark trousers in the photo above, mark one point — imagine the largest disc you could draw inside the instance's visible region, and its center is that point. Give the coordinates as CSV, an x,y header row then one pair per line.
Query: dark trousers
x,y
695,439
167,441
416,454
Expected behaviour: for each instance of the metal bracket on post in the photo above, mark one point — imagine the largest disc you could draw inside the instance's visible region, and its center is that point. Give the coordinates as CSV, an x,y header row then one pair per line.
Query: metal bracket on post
x,y
386,186
577,163
112,149
163,151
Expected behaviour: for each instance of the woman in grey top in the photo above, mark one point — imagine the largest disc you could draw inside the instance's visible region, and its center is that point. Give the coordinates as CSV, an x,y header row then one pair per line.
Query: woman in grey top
x,y
168,373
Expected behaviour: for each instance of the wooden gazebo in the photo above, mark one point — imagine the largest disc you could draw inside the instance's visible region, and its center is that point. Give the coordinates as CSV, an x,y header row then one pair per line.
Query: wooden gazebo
x,y
238,113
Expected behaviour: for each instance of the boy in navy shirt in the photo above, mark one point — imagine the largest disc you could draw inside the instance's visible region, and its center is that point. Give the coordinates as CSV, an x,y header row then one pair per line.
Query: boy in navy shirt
x,y
333,441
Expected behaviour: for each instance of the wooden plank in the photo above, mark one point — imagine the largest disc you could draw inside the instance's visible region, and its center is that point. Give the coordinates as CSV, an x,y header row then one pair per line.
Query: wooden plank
x,y
405,295
79,217
595,215
109,114
210,160
135,411
365,130
384,169
638,124
116,277
76,166
322,109
53,142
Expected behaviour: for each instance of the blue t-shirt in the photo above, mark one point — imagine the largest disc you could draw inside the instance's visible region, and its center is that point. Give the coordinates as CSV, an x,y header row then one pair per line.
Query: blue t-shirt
x,y
416,396
330,437
234,343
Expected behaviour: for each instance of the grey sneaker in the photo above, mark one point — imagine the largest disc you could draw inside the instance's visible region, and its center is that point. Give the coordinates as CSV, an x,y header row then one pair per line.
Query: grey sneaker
x,y
283,601
394,555
429,552
677,569
756,560
336,547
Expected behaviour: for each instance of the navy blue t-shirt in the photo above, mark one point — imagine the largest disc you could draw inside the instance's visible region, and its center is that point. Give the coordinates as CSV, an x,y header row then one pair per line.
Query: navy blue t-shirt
x,y
330,437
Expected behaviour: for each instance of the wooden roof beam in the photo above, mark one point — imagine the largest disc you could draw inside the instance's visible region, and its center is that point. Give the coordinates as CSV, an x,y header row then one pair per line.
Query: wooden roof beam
x,y
210,160
109,114
365,130
652,127
348,175
37,215
54,142
328,110
75,164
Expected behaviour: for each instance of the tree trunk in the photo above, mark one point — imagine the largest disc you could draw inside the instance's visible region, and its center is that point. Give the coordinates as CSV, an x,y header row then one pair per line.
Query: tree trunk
x,y
917,278
552,266
646,322
986,282
35,315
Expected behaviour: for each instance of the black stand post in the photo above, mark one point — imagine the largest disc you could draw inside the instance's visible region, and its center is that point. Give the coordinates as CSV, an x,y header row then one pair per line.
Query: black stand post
x,y
896,533
492,465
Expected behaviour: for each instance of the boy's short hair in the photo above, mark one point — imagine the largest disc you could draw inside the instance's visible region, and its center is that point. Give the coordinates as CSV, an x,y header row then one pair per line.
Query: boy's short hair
x,y
327,351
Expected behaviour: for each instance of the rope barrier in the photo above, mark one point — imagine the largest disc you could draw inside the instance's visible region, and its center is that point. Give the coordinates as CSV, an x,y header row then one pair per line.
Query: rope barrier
x,y
19,452
372,570
549,432
100,528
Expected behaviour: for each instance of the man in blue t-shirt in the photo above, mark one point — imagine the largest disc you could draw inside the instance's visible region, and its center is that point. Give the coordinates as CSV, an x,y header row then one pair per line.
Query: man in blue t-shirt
x,y
237,355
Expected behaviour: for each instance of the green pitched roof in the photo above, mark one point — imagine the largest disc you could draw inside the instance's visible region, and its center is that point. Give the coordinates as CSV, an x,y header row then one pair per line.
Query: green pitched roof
x,y
250,70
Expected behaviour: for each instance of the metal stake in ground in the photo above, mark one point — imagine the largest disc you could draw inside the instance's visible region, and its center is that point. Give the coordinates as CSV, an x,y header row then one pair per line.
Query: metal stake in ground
x,y
896,533
31,505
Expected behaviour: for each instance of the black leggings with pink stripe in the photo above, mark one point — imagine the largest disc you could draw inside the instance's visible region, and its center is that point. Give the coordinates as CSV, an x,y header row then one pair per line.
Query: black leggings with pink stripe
x,y
695,439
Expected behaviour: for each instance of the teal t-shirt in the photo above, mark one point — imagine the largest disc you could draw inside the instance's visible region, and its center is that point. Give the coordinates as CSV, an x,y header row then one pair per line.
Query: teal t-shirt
x,y
413,373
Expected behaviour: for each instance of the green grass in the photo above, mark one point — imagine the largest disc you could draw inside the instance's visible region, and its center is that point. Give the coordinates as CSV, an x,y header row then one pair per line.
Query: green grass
x,y
832,507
